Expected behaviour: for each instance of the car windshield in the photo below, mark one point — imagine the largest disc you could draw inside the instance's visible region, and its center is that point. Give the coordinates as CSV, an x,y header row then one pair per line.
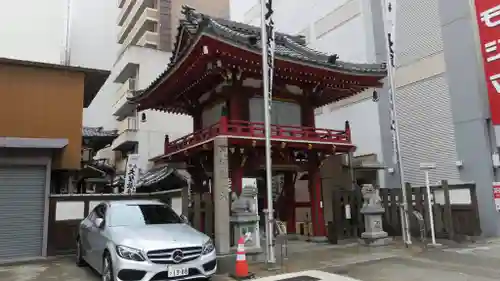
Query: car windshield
x,y
142,214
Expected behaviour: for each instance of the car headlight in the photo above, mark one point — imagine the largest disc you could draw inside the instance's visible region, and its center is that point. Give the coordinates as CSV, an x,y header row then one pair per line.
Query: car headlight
x,y
130,253
208,247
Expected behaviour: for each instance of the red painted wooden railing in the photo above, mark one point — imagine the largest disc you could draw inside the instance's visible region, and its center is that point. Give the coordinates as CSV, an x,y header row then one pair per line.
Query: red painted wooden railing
x,y
238,128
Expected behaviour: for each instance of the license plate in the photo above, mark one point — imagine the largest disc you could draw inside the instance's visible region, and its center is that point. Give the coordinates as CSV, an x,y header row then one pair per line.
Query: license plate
x,y
177,272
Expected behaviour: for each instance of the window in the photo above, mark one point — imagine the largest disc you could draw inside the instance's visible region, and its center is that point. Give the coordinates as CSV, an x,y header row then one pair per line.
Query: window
x,y
142,214
212,115
282,113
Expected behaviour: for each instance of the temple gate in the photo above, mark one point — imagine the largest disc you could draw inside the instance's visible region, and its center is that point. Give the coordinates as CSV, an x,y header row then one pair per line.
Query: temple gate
x,y
215,76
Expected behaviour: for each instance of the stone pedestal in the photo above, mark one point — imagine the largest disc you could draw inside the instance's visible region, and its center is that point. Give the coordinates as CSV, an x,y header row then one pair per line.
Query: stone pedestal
x,y
245,219
247,223
372,210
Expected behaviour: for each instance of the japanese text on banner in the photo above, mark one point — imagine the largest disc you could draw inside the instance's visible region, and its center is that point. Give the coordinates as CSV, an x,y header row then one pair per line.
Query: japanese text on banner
x,y
488,19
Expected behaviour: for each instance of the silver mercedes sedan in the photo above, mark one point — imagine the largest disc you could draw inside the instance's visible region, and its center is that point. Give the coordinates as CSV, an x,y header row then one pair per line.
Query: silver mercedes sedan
x,y
143,240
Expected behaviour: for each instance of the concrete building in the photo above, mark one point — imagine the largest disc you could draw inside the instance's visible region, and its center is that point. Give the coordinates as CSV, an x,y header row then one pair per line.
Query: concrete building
x,y
442,98
146,34
39,147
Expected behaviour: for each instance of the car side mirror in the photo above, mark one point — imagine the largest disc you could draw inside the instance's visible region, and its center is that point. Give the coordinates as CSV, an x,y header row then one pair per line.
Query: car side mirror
x,y
184,219
99,222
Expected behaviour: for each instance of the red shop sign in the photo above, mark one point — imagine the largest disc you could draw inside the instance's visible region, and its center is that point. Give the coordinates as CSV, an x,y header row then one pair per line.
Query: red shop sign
x,y
488,19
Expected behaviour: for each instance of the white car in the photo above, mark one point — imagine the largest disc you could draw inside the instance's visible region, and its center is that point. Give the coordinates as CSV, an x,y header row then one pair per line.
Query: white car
x,y
143,240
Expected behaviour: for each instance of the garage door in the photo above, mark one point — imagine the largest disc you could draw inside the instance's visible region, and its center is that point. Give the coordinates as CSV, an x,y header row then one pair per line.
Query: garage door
x,y
22,194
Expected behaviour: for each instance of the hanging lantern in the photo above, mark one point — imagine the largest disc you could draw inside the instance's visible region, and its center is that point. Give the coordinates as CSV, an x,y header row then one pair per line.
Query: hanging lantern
x,y
232,149
283,145
310,146
334,148
242,150
254,143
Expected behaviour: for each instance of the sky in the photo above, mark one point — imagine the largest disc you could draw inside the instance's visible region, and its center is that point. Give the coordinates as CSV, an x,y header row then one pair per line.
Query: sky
x,y
240,7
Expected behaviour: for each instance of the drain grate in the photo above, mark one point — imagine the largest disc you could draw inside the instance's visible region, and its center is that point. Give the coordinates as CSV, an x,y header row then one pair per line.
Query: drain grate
x,y
300,278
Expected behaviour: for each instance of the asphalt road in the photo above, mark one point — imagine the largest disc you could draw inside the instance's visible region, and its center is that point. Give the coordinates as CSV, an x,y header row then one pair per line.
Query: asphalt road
x,y
478,263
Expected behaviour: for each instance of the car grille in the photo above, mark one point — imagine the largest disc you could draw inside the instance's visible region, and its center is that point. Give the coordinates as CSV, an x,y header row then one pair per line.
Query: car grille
x,y
165,256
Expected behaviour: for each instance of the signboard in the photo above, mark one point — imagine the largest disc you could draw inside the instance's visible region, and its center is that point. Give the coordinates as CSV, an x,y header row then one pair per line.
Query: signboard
x,y
488,19
132,173
496,195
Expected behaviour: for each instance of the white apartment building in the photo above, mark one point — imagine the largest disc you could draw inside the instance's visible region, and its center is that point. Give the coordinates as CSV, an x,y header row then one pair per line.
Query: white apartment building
x,y
145,31
441,93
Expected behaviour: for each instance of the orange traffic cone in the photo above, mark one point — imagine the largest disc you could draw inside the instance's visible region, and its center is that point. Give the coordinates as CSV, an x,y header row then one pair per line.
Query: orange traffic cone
x,y
241,269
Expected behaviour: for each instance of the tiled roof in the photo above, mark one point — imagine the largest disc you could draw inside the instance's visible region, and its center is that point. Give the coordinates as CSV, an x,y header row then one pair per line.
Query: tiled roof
x,y
287,46
98,132
153,176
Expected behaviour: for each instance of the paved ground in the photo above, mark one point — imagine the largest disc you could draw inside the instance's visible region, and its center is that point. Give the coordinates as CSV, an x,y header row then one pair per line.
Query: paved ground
x,y
479,262
476,262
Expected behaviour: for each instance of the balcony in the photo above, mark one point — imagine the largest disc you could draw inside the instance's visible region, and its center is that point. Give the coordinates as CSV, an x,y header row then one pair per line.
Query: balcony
x,y
141,16
125,10
255,131
150,39
147,22
122,107
127,138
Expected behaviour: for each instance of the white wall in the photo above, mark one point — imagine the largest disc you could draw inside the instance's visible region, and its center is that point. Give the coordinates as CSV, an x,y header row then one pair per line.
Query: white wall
x,y
151,64
340,41
35,30
151,133
365,131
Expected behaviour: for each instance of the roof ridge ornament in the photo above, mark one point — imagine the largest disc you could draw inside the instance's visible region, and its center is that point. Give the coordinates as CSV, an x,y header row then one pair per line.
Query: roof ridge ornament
x,y
191,15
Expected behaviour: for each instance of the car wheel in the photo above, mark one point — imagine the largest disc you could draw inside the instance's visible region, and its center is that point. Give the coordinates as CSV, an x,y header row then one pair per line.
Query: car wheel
x,y
107,269
79,254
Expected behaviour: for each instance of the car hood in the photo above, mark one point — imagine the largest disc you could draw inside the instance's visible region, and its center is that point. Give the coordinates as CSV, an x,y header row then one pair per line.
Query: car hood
x,y
156,237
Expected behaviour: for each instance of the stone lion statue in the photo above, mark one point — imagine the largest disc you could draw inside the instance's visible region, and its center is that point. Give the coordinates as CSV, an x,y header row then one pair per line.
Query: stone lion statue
x,y
371,196
245,203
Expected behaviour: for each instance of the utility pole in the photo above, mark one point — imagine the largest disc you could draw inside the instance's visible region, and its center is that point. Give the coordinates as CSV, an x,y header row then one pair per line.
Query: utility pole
x,y
268,44
390,27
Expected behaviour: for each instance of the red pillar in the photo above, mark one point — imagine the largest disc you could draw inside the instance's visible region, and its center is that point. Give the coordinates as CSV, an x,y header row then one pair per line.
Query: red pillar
x,y
289,186
237,178
317,215
307,112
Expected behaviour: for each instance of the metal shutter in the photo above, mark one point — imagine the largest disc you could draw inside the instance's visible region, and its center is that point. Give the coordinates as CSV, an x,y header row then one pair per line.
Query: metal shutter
x,y
22,200
427,132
